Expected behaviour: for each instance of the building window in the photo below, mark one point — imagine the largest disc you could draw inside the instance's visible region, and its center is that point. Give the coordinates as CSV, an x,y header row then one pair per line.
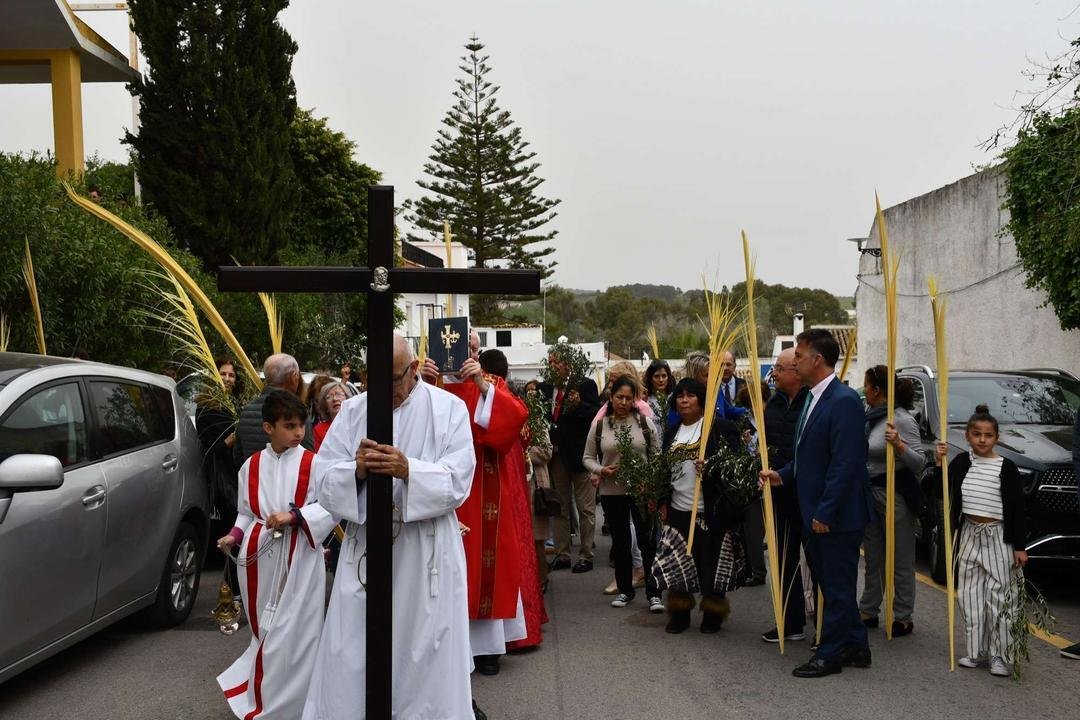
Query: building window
x,y
502,338
482,334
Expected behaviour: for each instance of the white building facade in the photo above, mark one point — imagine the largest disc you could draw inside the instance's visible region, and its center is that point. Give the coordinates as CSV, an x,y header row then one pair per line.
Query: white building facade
x,y
418,308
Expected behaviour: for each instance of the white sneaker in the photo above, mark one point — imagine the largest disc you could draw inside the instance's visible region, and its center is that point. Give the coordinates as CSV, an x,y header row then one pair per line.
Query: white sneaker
x,y
656,605
999,668
968,662
621,600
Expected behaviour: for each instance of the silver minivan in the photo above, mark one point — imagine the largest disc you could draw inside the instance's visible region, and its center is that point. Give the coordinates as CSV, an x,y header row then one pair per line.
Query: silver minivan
x,y
103,507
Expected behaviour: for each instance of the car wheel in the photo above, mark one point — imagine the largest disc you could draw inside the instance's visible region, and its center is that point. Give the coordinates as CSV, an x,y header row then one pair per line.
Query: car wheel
x,y
936,544
179,585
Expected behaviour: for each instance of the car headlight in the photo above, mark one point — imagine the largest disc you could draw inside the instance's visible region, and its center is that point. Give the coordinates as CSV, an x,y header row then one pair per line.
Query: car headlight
x,y
1028,479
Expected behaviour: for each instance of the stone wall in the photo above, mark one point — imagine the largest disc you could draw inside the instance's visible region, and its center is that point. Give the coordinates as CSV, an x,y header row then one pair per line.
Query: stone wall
x,y
993,321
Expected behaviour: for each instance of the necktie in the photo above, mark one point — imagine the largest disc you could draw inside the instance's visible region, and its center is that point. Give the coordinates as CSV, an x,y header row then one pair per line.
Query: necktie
x,y
731,391
558,406
799,428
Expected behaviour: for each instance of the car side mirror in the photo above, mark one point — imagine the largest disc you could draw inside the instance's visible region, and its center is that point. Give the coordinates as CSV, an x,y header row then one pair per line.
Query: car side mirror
x,y
28,473
23,473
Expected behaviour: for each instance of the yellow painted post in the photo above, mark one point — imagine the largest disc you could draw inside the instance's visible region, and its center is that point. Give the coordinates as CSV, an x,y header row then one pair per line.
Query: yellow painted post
x,y
66,71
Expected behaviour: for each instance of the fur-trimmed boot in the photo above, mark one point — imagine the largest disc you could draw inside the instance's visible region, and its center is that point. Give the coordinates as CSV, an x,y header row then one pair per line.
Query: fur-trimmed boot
x,y
714,610
679,605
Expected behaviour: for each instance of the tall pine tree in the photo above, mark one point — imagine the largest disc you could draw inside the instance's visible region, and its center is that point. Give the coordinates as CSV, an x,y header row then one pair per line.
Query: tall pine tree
x,y
212,152
482,179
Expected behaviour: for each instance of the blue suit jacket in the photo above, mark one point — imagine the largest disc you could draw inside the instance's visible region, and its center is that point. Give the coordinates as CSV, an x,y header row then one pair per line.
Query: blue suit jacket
x,y
832,484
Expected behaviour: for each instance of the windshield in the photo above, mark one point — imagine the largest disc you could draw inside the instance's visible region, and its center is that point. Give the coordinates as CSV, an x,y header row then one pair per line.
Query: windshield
x,y
1032,399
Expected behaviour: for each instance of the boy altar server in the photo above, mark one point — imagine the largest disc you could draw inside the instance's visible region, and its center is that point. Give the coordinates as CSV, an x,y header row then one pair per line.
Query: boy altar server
x,y
282,574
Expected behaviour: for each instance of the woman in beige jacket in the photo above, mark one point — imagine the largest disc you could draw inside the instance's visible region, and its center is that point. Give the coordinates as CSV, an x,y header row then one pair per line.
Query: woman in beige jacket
x,y
601,458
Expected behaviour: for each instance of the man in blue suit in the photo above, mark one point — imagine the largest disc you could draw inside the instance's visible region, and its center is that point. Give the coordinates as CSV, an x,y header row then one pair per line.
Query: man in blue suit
x,y
830,478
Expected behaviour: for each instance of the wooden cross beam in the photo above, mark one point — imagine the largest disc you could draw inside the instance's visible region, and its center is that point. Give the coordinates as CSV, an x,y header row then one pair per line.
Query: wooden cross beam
x,y
380,281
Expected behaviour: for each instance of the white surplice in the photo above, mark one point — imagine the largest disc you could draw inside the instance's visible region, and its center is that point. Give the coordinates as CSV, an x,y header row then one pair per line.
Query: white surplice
x,y
283,590
430,636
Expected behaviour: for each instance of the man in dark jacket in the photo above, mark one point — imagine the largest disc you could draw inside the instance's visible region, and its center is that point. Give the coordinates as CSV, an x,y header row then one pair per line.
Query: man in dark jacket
x,y
571,417
781,418
280,372
829,474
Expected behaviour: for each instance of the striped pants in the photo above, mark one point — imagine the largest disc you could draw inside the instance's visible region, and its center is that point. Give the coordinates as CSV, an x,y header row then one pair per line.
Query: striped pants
x,y
983,576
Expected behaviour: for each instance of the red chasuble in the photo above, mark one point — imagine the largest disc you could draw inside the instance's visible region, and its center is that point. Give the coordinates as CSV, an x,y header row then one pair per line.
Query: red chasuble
x,y
492,552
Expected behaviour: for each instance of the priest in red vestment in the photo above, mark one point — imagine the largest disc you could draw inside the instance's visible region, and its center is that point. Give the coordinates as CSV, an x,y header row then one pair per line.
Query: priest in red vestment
x,y
492,550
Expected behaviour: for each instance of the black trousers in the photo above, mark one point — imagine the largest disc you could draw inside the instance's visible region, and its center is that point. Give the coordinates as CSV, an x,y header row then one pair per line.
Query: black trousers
x,y
619,510
834,560
789,533
754,534
706,551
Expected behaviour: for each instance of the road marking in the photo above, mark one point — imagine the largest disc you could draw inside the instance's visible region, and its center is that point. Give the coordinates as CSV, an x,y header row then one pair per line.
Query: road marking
x,y
1056,640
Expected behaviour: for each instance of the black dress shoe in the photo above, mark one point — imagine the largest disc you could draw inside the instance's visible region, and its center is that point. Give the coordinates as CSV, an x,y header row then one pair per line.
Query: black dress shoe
x,y
478,714
855,657
816,668
487,664
582,566
560,563
753,581
900,628
870,622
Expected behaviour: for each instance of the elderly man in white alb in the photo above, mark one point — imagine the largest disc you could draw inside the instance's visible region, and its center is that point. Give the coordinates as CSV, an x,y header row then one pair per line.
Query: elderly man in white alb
x,y
432,462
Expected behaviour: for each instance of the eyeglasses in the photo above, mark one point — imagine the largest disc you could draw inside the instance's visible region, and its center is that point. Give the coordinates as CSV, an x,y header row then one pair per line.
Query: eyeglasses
x,y
399,379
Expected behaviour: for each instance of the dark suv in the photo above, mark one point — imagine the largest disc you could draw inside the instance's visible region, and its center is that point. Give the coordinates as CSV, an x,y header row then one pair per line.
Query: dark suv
x,y
1036,410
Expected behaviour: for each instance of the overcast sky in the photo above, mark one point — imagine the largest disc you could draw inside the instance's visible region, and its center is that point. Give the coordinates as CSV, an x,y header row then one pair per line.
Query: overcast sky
x,y
664,127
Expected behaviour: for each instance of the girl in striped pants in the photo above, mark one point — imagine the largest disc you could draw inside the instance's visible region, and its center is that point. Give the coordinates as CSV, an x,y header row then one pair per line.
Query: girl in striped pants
x,y
987,504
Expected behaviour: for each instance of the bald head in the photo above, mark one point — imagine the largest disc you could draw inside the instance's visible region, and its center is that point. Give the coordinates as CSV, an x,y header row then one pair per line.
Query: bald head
x,y
785,374
404,370
403,351
728,366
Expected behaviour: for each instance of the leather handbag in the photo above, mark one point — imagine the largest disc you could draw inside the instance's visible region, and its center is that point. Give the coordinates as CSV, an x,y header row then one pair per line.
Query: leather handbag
x,y
545,503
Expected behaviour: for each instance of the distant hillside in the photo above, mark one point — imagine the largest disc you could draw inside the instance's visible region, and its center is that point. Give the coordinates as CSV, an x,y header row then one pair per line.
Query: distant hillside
x,y
621,315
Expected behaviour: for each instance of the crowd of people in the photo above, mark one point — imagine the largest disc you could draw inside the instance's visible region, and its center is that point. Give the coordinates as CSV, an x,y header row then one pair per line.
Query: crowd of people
x,y
496,487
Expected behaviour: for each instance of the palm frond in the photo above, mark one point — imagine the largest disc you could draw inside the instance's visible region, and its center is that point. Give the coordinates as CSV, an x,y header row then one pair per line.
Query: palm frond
x,y
849,354
890,266
422,350
937,308
758,406
724,328
177,319
5,332
35,303
162,257
276,323
654,342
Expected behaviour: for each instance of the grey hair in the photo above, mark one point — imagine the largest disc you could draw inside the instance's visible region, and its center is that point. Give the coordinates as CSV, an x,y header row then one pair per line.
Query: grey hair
x,y
277,369
696,361
349,392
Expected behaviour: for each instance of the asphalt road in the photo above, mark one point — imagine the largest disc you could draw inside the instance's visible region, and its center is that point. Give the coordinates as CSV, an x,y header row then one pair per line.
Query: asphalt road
x,y
596,661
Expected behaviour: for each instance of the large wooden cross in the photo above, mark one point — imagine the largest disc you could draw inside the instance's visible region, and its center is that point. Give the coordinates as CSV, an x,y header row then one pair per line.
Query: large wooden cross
x,y
381,280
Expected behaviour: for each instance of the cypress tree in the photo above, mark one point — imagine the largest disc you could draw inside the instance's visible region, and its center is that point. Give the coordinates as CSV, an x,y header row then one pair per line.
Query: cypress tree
x,y
212,150
482,178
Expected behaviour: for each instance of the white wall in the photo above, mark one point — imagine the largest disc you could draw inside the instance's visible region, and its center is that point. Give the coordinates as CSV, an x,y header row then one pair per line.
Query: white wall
x,y
992,320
